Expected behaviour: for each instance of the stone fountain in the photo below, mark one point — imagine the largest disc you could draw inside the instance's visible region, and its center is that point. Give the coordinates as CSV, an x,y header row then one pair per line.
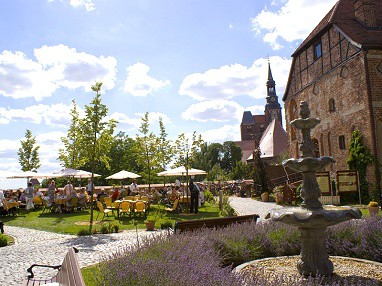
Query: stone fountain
x,y
312,218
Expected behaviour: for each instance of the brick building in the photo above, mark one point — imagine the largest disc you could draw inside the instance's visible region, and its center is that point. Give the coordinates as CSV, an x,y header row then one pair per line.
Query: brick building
x,y
338,70
266,128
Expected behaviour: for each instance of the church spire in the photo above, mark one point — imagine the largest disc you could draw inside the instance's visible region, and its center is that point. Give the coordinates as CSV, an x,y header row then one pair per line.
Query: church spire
x,y
273,107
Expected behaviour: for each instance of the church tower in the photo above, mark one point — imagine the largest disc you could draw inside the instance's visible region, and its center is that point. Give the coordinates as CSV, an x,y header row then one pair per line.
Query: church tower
x,y
272,108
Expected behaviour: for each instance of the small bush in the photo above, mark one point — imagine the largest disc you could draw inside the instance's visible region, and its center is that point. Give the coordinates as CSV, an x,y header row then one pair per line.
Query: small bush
x,y
166,225
104,229
3,240
116,228
209,197
83,232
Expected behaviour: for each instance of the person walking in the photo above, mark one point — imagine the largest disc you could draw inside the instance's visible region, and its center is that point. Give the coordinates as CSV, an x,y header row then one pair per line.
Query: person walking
x,y
194,189
29,193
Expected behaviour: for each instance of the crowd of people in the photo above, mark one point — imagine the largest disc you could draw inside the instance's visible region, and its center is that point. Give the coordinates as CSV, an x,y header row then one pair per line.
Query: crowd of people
x,y
61,198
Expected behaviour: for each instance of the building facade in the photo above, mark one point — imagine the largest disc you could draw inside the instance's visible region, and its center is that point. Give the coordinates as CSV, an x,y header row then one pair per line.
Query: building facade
x,y
338,71
255,128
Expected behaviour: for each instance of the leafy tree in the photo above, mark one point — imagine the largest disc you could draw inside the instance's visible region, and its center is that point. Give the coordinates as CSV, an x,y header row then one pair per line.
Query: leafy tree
x,y
97,135
70,155
186,150
214,154
359,158
147,144
241,171
165,149
261,181
28,153
231,155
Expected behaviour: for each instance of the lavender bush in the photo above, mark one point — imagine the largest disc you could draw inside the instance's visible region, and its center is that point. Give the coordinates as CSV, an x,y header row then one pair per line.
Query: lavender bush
x,y
206,257
357,238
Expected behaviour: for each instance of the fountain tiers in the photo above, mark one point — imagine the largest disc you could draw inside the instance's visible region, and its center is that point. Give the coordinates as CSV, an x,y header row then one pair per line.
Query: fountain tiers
x,y
311,218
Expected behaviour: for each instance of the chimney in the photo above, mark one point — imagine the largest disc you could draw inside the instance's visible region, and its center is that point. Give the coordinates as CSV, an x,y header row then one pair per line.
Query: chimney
x,y
365,12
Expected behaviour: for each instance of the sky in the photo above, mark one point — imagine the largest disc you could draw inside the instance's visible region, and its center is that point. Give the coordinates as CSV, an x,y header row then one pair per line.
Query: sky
x,y
197,64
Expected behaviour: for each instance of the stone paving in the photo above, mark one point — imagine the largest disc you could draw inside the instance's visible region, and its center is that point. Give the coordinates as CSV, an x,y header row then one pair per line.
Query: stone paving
x,y
41,247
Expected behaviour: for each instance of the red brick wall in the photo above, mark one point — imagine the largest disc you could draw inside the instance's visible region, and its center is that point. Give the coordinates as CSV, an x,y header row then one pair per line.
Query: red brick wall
x,y
340,74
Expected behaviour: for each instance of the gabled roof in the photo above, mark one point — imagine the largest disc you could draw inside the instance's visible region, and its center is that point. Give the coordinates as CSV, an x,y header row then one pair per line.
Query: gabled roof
x,y
273,142
342,15
247,147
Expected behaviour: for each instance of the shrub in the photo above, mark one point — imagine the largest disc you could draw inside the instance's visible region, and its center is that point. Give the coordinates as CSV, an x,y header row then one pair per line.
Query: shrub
x,y
116,228
166,224
84,231
3,240
372,204
104,229
209,197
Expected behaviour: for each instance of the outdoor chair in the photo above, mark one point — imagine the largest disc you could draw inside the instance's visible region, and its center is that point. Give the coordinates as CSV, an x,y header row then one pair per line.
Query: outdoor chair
x,y
72,204
37,201
102,210
174,208
108,202
140,207
46,207
125,208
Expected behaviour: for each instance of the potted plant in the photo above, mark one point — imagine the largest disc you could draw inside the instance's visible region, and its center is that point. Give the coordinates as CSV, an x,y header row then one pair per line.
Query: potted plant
x,y
265,196
373,208
150,224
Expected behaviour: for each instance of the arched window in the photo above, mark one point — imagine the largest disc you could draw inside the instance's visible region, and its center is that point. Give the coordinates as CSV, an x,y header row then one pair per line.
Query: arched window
x,y
332,105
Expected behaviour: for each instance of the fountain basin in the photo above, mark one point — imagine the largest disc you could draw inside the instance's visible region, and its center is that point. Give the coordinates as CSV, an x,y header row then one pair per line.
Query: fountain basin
x,y
304,218
308,164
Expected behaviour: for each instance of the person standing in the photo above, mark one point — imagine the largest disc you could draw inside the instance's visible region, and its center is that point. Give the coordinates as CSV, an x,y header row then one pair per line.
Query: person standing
x,y
89,187
194,189
134,187
68,189
29,193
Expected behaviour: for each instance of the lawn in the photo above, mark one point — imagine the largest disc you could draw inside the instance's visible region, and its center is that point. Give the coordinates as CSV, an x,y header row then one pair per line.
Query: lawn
x,y
72,223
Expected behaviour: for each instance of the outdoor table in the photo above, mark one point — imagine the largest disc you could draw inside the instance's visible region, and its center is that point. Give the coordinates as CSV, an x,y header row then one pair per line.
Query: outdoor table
x,y
13,204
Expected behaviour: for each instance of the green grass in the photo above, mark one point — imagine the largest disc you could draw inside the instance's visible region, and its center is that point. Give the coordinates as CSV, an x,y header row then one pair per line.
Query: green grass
x,y
72,223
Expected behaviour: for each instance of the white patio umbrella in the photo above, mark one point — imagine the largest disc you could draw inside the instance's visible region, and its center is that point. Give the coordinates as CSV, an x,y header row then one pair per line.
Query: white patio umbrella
x,y
29,175
123,175
181,171
79,174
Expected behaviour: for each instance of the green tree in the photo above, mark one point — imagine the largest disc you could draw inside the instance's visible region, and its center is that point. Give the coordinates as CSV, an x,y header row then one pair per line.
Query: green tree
x,y
97,135
241,171
147,145
359,158
70,155
165,149
261,181
231,155
28,153
187,149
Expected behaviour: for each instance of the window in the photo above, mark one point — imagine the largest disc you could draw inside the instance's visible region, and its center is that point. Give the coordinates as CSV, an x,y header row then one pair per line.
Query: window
x,y
332,105
341,141
317,50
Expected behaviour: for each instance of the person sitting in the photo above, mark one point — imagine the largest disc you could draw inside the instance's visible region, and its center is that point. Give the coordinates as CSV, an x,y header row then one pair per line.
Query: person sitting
x,y
134,187
115,195
101,195
83,198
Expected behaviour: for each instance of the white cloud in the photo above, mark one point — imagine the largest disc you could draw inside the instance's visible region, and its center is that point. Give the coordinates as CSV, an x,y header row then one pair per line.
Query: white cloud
x,y
293,21
21,77
139,83
55,115
222,134
50,143
230,81
87,4
73,69
214,110
56,66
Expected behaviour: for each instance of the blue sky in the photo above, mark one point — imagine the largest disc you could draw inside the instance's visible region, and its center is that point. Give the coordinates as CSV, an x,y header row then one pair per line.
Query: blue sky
x,y
198,64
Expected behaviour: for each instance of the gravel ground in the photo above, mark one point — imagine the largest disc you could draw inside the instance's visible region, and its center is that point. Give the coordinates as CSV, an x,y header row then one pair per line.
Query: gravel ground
x,y
247,206
345,269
